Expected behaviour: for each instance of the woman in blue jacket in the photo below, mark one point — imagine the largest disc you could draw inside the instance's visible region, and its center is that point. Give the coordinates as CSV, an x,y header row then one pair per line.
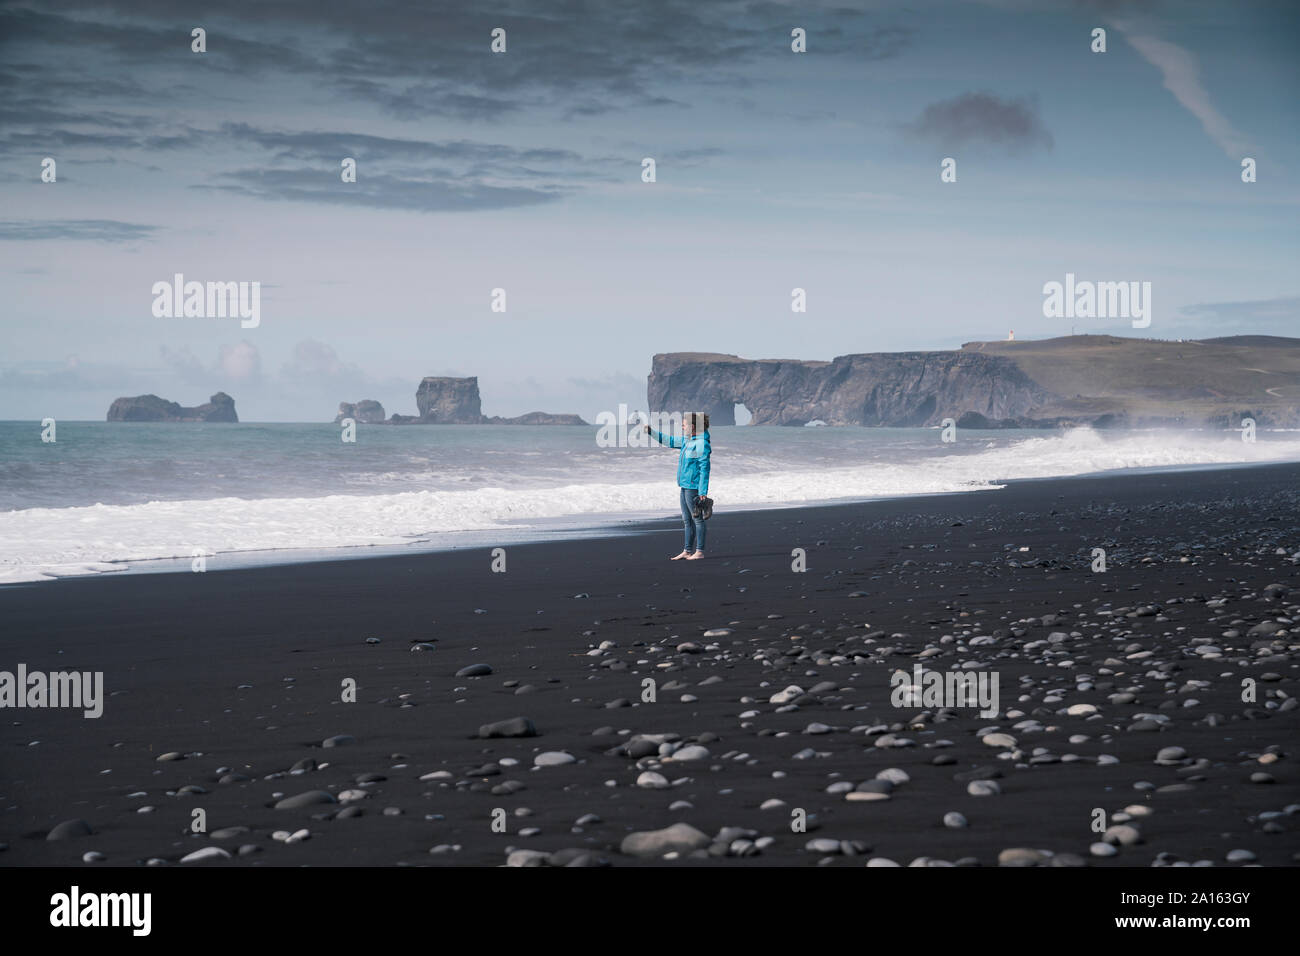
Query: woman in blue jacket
x,y
692,477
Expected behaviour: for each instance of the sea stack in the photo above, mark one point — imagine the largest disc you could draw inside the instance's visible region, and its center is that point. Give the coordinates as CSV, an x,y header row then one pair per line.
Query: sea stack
x,y
150,408
449,401
1096,380
367,412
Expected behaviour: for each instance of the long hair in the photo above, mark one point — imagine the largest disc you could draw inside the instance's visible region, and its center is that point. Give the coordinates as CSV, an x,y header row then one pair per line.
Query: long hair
x,y
700,420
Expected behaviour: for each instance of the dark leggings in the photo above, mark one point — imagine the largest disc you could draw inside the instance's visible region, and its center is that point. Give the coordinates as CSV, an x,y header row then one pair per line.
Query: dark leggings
x,y
692,527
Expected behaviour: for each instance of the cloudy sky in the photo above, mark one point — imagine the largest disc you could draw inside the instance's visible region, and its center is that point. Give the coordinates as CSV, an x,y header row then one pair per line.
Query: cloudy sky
x,y
523,171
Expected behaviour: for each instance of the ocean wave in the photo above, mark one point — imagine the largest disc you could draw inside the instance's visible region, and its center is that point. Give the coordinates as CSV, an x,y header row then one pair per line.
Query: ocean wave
x,y
37,543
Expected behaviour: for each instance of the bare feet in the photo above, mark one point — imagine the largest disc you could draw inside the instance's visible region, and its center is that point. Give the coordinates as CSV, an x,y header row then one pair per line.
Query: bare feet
x,y
695,557
678,557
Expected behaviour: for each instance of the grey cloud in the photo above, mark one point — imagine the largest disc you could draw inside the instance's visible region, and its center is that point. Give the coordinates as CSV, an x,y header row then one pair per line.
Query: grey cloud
x,y
381,191
394,172
688,158
331,146
612,382
317,365
98,230
42,115
108,78
1282,313
417,60
129,36
982,118
418,100
1118,6
588,107
316,370
185,365
52,140
70,375
237,364
313,361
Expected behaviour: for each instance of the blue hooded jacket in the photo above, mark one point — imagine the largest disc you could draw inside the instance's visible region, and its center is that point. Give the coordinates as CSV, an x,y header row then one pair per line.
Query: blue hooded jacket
x,y
693,463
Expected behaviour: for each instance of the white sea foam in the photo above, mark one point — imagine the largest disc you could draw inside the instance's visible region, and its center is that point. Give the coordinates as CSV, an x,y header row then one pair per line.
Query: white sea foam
x,y
37,543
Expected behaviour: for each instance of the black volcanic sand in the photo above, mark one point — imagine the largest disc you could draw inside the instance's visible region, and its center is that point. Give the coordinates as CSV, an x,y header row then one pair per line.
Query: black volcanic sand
x,y
241,674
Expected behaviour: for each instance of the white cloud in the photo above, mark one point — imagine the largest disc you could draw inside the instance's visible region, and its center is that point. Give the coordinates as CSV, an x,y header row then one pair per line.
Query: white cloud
x,y
313,361
1181,77
240,362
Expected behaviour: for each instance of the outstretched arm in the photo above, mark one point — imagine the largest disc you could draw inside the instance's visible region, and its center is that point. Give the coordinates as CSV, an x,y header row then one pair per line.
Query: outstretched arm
x,y
672,441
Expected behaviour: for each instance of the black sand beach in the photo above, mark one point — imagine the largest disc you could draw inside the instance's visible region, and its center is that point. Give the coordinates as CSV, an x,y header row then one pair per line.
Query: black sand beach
x,y
241,673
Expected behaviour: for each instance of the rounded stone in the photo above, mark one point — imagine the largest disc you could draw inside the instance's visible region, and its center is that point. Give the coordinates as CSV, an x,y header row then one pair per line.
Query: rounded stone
x,y
205,854
554,758
309,798
69,829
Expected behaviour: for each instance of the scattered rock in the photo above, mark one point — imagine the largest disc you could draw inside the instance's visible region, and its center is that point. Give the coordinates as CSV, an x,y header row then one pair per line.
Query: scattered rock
x,y
678,838
69,829
514,727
